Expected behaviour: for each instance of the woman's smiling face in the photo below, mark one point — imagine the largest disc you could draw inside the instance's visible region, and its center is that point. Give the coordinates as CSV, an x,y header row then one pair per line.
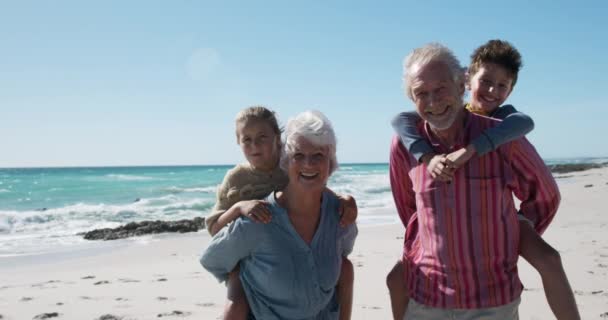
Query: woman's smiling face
x,y
308,165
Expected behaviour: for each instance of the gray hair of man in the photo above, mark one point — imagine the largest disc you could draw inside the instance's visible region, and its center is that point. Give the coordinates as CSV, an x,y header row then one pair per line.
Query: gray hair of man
x,y
420,57
313,126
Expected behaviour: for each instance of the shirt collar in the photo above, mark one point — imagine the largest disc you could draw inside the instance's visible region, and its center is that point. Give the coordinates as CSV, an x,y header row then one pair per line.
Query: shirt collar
x,y
470,107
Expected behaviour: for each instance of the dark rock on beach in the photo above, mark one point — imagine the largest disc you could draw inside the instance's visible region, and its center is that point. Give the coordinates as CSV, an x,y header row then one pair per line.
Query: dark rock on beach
x,y
574,167
564,177
109,317
146,227
46,316
174,313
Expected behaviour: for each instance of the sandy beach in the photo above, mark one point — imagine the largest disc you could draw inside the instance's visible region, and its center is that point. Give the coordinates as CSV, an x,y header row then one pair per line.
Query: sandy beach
x,y
160,277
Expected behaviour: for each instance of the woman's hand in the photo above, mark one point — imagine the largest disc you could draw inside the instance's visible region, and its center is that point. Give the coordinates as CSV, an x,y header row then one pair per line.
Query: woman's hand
x,y
348,210
255,210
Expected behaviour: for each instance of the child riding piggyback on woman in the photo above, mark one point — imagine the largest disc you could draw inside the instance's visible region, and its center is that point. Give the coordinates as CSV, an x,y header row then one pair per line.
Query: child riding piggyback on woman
x,y
259,136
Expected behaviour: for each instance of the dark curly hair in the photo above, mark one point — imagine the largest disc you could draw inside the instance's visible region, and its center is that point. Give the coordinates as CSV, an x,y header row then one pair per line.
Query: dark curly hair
x,y
499,52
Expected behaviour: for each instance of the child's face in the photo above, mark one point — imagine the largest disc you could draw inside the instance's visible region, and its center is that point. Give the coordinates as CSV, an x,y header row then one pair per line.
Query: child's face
x,y
490,86
259,144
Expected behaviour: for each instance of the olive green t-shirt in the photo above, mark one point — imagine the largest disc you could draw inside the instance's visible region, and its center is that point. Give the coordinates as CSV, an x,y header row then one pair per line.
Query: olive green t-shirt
x,y
245,183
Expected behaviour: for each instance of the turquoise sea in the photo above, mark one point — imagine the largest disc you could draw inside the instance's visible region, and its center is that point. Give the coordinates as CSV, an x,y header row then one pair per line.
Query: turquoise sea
x,y
42,209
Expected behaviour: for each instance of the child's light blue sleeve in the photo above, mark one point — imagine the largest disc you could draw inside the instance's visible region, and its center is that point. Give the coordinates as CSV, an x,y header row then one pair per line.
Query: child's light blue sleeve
x,y
514,125
228,247
405,124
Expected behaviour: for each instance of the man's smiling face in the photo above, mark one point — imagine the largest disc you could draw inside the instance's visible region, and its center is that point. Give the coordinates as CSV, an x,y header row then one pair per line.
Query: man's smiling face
x,y
438,97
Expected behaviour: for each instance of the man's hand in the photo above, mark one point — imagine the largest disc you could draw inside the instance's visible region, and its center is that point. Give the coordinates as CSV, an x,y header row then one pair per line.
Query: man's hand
x,y
440,168
348,210
255,210
459,157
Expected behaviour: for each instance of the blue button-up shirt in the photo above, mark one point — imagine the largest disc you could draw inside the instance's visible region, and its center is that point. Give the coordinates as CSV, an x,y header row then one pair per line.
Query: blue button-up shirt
x,y
283,277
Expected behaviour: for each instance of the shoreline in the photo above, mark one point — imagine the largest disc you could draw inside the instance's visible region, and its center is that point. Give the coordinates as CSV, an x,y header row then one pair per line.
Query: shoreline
x,y
152,276
51,228
149,227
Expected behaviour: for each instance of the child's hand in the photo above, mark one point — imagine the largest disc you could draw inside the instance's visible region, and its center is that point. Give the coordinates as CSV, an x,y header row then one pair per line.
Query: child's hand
x,y
440,168
256,210
459,157
348,210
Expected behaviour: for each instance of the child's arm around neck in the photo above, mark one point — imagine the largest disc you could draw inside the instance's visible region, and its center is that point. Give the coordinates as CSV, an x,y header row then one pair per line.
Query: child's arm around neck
x,y
406,127
514,125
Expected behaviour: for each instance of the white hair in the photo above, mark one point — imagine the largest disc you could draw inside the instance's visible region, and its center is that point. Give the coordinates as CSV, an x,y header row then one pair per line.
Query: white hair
x,y
420,57
313,126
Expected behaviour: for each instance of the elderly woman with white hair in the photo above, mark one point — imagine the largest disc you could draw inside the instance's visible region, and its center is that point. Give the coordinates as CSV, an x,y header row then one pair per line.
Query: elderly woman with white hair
x,y
289,267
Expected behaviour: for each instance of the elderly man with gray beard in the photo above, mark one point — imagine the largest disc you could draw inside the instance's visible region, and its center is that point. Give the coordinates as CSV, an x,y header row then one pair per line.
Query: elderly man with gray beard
x,y
461,244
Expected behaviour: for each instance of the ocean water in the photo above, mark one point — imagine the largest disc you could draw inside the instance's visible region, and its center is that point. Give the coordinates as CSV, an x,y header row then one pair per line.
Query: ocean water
x,y
44,209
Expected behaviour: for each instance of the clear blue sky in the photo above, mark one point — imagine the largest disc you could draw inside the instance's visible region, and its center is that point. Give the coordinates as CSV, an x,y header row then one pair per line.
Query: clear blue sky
x,y
159,82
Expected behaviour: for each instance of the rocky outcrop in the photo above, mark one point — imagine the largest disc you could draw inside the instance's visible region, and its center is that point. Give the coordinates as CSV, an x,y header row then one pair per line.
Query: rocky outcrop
x,y
146,227
573,167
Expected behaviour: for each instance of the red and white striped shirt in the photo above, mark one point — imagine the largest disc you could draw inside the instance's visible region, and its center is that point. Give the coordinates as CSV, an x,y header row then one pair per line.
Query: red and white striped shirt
x,y
462,239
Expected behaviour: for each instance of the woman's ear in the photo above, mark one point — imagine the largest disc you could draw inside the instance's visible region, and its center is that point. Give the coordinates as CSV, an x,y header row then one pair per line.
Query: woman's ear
x,y
467,80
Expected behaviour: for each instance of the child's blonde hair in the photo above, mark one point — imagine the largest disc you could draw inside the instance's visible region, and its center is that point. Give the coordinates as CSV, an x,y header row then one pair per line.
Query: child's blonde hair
x,y
259,113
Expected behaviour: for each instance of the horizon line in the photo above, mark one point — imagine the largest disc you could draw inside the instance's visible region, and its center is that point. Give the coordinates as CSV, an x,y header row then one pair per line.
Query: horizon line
x,y
223,165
